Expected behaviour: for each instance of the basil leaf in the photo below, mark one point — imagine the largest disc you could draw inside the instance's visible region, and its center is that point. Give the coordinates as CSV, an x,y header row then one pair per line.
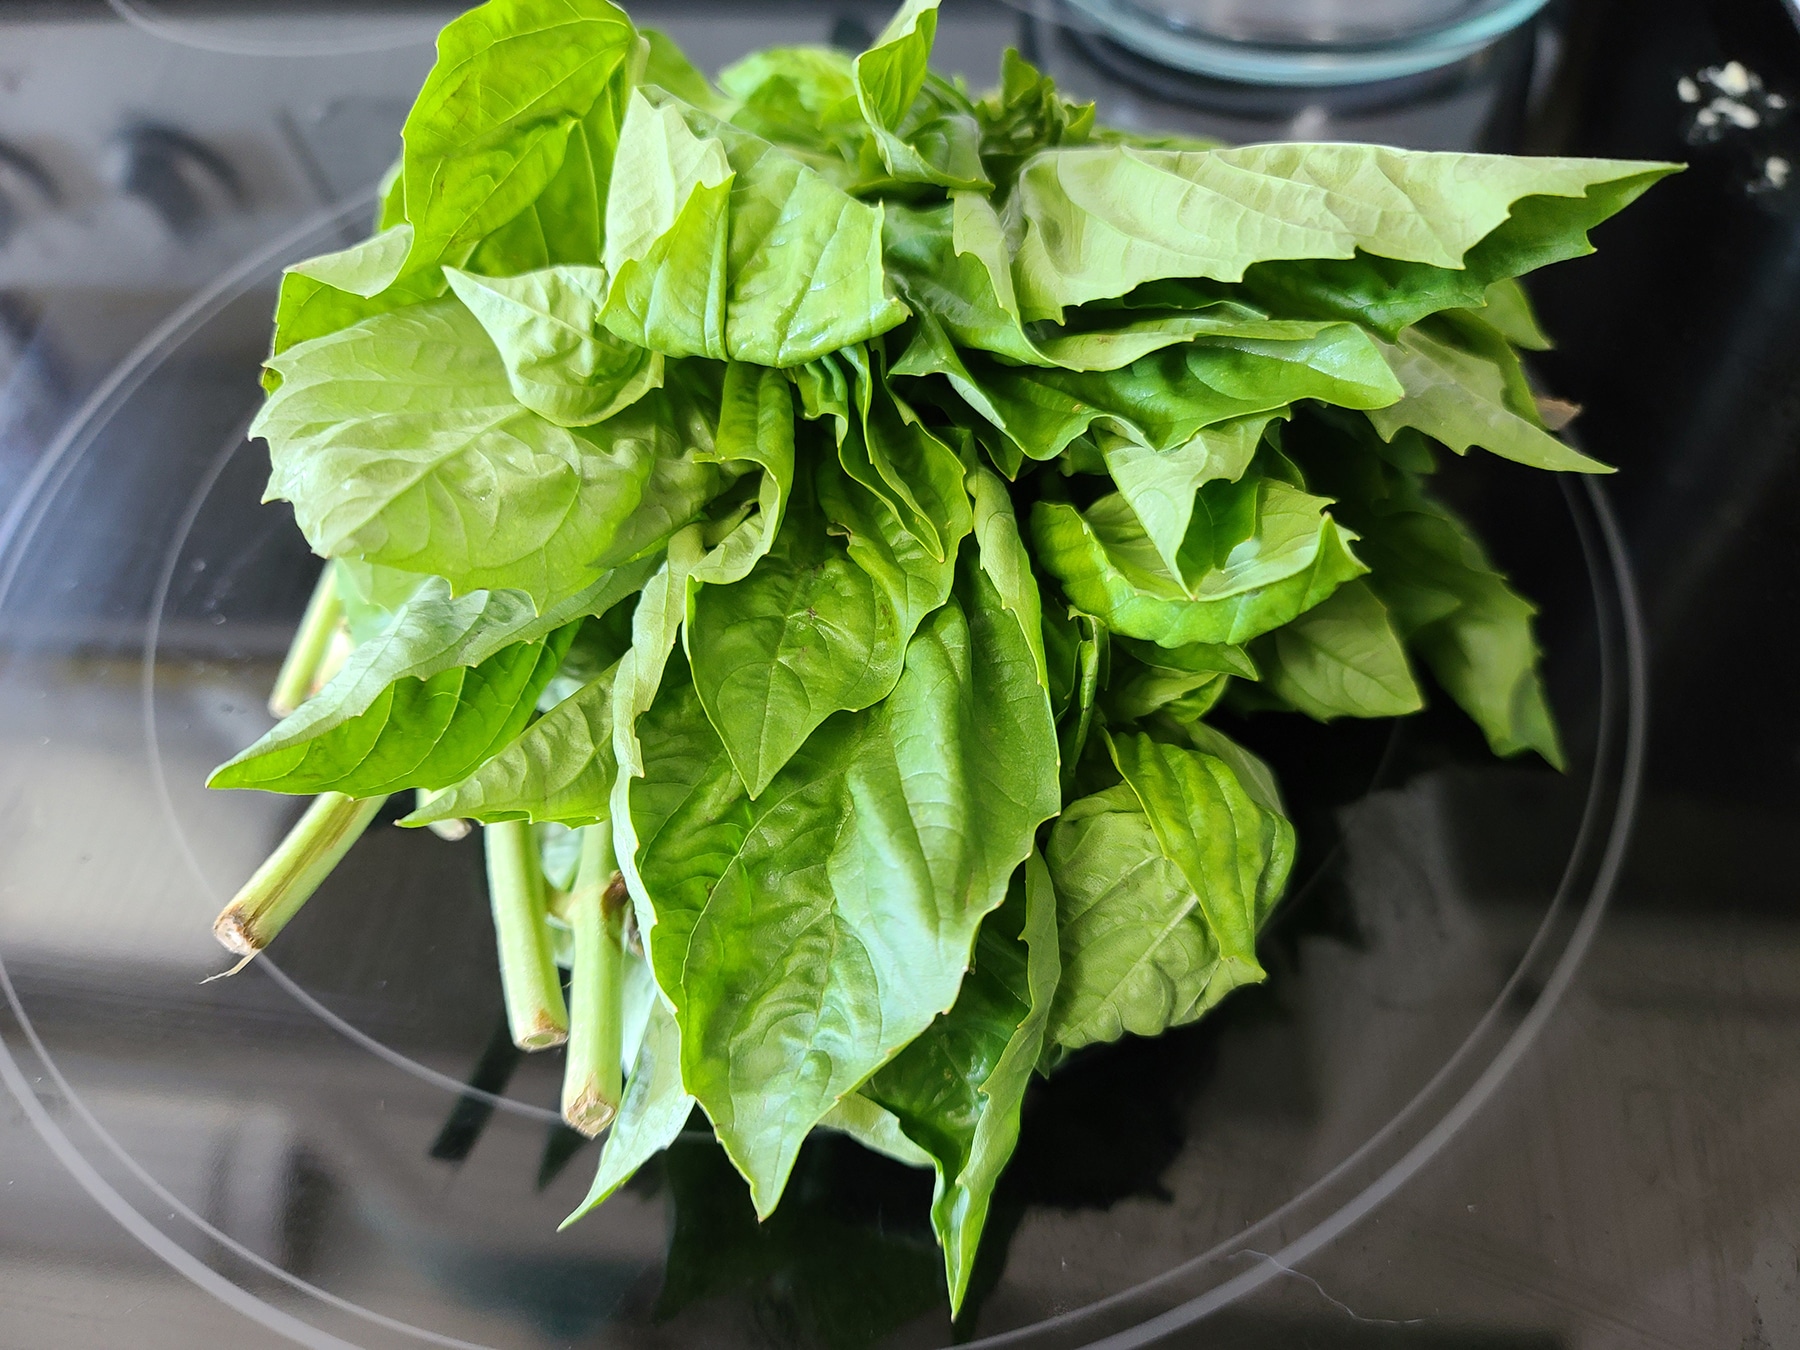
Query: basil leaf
x,y
1162,486
398,441
1186,681
491,127
723,244
1455,610
806,634
667,67
1109,568
655,624
914,582
956,1091
1097,222
333,291
428,648
1388,295
804,99
924,131
373,596
1342,658
1461,398
1161,884
560,362
560,769
1007,565
805,936
667,229
1025,115
756,427
885,446
1136,955
419,733
1163,399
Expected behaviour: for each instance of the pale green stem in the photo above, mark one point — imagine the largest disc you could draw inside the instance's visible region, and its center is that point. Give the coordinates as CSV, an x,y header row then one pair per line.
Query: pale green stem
x,y
528,976
596,909
323,613
452,829
290,874
337,652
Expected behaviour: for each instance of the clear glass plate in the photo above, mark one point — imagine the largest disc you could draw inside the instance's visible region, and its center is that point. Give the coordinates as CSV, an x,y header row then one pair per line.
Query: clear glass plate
x,y
1306,42
339,1142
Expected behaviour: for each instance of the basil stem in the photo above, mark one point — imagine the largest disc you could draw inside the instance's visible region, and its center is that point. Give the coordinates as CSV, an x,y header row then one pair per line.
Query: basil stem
x,y
596,910
290,874
452,829
294,684
528,977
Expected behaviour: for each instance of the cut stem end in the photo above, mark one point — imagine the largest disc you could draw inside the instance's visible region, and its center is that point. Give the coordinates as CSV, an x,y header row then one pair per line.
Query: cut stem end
x,y
289,876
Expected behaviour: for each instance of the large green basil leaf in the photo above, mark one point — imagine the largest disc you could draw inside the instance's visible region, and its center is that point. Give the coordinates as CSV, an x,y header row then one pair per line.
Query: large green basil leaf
x,y
431,638
560,768
1163,399
1461,398
562,364
417,733
1098,222
1342,658
1456,611
1109,568
805,936
806,634
491,127
1388,295
956,1091
1162,883
1137,956
399,441
667,231
723,244
924,132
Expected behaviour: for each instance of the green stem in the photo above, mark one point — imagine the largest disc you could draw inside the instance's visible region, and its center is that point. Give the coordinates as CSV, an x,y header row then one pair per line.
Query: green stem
x,y
452,829
290,874
323,613
591,1074
534,1001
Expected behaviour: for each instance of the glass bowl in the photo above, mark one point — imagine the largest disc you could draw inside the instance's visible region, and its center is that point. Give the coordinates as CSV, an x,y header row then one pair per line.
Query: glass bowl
x,y
1306,42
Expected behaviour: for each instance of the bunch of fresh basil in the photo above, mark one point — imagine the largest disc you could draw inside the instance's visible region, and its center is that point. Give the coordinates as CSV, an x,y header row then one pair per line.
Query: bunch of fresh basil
x,y
840,501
